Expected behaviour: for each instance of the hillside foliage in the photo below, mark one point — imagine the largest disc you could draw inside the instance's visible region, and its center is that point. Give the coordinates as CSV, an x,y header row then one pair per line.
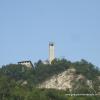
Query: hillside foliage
x,y
17,82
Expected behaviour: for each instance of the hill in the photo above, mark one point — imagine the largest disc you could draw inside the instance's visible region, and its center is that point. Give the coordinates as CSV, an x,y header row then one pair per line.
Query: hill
x,y
49,81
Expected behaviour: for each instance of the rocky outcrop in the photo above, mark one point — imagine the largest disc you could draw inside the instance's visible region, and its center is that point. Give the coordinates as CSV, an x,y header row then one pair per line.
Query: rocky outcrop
x,y
60,81
68,80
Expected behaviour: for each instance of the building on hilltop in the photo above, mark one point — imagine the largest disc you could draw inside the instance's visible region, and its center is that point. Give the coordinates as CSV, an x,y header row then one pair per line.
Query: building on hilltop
x,y
51,52
51,57
28,64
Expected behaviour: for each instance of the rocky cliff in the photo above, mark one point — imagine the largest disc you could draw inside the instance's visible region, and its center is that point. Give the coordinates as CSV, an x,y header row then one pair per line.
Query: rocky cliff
x,y
68,80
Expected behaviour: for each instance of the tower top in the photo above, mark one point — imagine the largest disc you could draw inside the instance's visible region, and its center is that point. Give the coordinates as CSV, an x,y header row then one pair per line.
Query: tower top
x,y
51,43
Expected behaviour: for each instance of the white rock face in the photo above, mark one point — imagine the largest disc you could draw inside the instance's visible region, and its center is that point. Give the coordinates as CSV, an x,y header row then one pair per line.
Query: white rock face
x,y
67,80
61,81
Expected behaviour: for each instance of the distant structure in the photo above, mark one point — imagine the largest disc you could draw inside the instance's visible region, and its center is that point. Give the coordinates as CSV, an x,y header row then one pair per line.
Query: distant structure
x,y
26,63
51,52
29,64
46,62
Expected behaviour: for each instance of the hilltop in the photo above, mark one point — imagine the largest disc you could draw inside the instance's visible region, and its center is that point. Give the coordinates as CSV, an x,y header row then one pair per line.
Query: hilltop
x,y
61,76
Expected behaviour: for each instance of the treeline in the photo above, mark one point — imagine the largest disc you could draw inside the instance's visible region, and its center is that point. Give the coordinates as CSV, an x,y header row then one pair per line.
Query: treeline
x,y
41,72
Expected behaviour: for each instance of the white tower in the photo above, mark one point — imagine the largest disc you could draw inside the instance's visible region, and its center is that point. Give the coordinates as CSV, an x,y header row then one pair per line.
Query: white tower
x,y
51,52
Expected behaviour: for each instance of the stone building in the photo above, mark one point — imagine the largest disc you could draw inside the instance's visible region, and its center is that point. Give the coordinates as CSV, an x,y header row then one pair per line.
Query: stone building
x,y
26,63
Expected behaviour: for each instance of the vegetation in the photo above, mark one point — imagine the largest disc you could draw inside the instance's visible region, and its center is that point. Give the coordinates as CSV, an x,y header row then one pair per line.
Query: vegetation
x,y
17,82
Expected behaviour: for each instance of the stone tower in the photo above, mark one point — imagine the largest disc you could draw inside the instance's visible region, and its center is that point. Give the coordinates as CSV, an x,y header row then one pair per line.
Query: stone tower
x,y
51,52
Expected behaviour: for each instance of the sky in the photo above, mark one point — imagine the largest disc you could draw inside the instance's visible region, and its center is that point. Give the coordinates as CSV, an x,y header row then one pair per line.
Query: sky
x,y
27,27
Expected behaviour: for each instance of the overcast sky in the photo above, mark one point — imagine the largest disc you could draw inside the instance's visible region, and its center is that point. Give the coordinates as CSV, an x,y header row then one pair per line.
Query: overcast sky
x,y
27,26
